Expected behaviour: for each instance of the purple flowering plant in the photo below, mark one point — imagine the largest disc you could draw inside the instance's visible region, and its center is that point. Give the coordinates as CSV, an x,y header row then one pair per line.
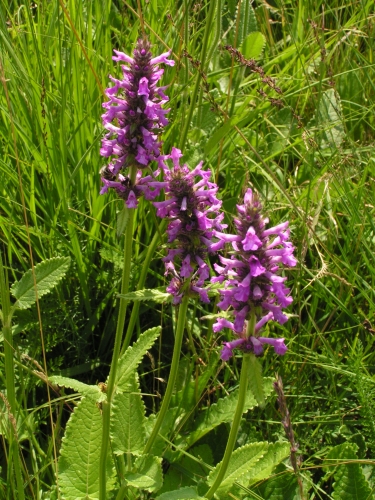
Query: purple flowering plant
x,y
249,282
193,212
252,284
134,118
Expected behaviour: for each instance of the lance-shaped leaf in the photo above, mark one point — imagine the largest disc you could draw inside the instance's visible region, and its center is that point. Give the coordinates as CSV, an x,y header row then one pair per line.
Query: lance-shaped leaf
x,y
223,411
241,462
149,475
350,482
259,471
80,454
47,274
154,295
133,355
91,391
128,433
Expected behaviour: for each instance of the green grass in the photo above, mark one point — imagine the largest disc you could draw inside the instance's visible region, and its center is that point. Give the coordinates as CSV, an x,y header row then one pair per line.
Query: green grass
x,y
311,157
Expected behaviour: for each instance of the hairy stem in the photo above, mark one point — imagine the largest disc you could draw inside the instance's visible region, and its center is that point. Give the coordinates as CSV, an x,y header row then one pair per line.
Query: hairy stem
x,y
173,373
235,426
141,284
106,406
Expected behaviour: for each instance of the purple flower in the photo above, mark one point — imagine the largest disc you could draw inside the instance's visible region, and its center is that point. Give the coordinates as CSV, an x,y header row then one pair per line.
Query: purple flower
x,y
133,118
251,279
193,211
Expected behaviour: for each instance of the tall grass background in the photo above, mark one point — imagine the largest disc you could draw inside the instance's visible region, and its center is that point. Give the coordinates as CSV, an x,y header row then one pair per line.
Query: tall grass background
x,y
307,146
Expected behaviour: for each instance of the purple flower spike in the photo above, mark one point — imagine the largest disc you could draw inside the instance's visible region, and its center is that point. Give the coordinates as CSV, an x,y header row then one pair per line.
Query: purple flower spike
x,y
251,279
133,118
193,211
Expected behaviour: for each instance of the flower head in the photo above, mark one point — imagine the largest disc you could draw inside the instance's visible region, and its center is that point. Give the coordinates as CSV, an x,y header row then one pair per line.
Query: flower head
x,y
134,117
251,281
193,211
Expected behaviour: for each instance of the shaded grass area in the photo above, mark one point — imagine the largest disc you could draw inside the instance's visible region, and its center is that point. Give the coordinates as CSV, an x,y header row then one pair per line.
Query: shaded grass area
x,y
301,133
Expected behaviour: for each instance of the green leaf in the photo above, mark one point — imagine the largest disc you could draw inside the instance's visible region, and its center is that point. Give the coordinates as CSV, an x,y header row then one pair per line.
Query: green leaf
x,y
133,355
253,45
47,274
122,221
155,295
223,411
275,454
215,138
329,121
91,391
80,454
350,482
241,462
128,433
188,492
247,21
256,381
283,485
149,475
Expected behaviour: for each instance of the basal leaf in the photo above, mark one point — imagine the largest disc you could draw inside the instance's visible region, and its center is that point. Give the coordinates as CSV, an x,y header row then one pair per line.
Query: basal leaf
x,y
241,462
223,411
91,391
149,475
133,355
155,295
128,433
80,454
47,274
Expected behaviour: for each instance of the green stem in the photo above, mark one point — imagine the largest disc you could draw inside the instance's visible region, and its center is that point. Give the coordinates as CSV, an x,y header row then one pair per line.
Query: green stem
x,y
141,284
235,426
173,373
106,405
9,381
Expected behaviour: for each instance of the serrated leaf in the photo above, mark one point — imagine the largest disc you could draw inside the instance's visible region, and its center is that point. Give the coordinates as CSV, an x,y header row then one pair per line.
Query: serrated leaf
x,y
155,295
80,454
241,462
283,485
149,475
253,45
275,454
133,355
188,492
128,433
91,391
223,411
47,274
350,482
122,221
255,380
